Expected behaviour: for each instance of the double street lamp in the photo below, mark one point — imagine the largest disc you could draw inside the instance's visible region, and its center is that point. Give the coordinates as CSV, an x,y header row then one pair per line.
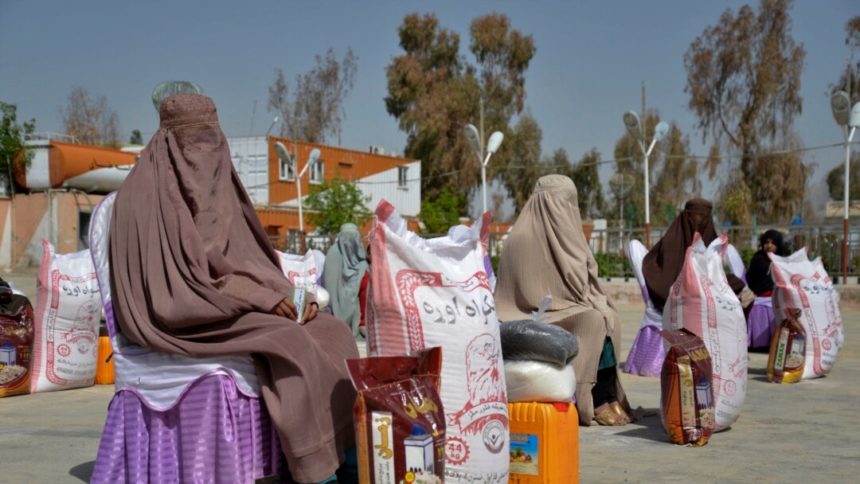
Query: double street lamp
x,y
849,118
285,157
476,142
637,131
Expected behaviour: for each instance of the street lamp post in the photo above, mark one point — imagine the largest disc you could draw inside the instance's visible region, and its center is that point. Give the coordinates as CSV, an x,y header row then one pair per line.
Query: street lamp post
x,y
476,142
849,118
637,131
283,154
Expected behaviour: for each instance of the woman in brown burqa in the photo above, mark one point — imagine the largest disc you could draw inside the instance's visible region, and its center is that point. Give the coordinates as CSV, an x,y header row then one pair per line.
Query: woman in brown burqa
x,y
546,254
192,273
665,260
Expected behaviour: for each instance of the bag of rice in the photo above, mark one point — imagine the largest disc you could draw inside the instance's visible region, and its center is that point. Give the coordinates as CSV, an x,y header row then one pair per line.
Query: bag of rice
x,y
686,400
801,284
702,302
436,292
16,342
68,311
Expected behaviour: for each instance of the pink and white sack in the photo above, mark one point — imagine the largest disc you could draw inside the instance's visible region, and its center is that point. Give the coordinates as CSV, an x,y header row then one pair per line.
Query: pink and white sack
x,y
803,284
306,271
702,302
68,312
436,292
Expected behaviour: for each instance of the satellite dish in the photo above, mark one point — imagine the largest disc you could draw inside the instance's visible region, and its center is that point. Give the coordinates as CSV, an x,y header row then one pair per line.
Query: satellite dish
x,y
620,184
840,104
474,138
495,141
170,88
661,130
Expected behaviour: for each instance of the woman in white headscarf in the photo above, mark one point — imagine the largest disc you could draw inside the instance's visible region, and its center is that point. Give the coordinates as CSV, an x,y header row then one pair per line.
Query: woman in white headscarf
x,y
546,254
345,265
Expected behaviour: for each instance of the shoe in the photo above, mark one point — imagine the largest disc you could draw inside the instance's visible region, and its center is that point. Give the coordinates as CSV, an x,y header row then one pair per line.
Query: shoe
x,y
622,414
608,417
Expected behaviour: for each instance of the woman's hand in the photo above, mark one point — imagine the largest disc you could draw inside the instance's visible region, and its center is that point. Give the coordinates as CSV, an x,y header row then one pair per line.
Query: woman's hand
x,y
313,310
285,309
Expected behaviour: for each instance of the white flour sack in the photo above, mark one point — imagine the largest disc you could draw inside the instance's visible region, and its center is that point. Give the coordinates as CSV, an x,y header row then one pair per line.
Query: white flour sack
x,y
803,284
68,311
435,292
702,302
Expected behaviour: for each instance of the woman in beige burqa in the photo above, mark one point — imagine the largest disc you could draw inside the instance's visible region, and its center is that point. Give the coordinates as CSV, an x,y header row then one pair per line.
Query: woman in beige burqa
x,y
546,254
193,273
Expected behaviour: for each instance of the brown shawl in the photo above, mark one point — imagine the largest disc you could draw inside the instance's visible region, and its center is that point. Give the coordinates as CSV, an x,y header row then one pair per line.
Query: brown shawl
x,y
546,253
193,273
665,260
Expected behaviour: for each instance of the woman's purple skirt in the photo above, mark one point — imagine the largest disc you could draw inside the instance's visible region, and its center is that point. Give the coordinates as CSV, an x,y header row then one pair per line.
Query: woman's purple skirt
x,y
214,433
760,325
647,354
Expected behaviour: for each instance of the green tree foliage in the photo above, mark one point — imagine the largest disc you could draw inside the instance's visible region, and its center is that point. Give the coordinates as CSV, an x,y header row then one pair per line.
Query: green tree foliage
x,y
315,111
525,166
334,203
433,92
586,177
136,138
836,180
849,79
743,78
443,211
12,138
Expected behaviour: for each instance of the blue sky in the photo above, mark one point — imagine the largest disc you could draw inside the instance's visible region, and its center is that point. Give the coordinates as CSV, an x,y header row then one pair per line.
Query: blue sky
x,y
591,58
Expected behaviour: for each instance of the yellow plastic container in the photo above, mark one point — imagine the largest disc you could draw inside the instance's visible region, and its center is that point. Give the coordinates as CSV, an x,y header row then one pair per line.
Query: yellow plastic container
x,y
104,366
544,443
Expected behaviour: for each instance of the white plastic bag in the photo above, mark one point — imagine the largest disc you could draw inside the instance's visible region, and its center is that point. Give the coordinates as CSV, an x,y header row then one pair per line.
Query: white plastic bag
x,y
436,292
306,271
803,284
535,381
68,311
702,302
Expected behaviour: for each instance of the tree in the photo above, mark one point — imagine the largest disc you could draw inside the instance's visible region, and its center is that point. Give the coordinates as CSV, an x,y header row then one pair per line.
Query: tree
x,y
315,111
586,177
525,165
677,181
743,78
12,139
136,138
433,92
90,121
849,80
836,180
442,212
334,203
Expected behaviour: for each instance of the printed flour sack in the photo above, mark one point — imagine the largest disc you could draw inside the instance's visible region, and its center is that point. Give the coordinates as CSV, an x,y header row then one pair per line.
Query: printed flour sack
x,y
68,311
435,292
702,302
801,284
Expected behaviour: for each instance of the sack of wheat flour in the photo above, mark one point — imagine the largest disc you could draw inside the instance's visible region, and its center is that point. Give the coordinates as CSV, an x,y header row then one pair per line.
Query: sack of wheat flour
x,y
68,312
801,284
702,302
436,292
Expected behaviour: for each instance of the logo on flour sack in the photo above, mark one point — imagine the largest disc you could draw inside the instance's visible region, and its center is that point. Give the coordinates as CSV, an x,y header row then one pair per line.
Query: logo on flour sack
x,y
456,451
486,403
64,350
494,436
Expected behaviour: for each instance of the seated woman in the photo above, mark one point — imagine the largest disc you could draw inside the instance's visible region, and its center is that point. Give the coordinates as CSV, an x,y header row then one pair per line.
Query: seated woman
x,y
345,266
546,254
193,273
664,261
761,323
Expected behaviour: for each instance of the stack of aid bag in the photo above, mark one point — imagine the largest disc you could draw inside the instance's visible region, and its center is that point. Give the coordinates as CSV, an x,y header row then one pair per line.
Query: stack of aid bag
x,y
702,302
803,285
436,292
538,361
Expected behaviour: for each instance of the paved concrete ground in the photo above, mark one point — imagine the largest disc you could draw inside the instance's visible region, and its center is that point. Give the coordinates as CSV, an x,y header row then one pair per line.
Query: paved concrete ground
x,y
809,432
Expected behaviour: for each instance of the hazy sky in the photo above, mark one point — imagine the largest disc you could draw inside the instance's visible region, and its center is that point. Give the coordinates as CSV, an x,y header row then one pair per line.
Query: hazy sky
x,y
591,58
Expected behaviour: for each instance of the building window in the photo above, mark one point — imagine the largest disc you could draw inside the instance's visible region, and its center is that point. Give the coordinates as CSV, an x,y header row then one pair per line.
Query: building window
x,y
318,172
286,170
402,177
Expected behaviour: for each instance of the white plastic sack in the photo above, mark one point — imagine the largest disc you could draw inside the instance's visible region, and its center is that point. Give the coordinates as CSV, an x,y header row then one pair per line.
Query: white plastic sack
x,y
436,292
535,381
306,271
803,284
68,310
702,302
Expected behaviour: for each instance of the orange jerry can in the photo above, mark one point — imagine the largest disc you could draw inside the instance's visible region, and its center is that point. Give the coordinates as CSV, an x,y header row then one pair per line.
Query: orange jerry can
x,y
544,443
104,365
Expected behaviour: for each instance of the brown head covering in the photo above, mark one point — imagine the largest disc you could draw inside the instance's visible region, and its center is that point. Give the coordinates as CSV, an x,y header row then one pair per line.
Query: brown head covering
x,y
546,253
192,272
664,261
